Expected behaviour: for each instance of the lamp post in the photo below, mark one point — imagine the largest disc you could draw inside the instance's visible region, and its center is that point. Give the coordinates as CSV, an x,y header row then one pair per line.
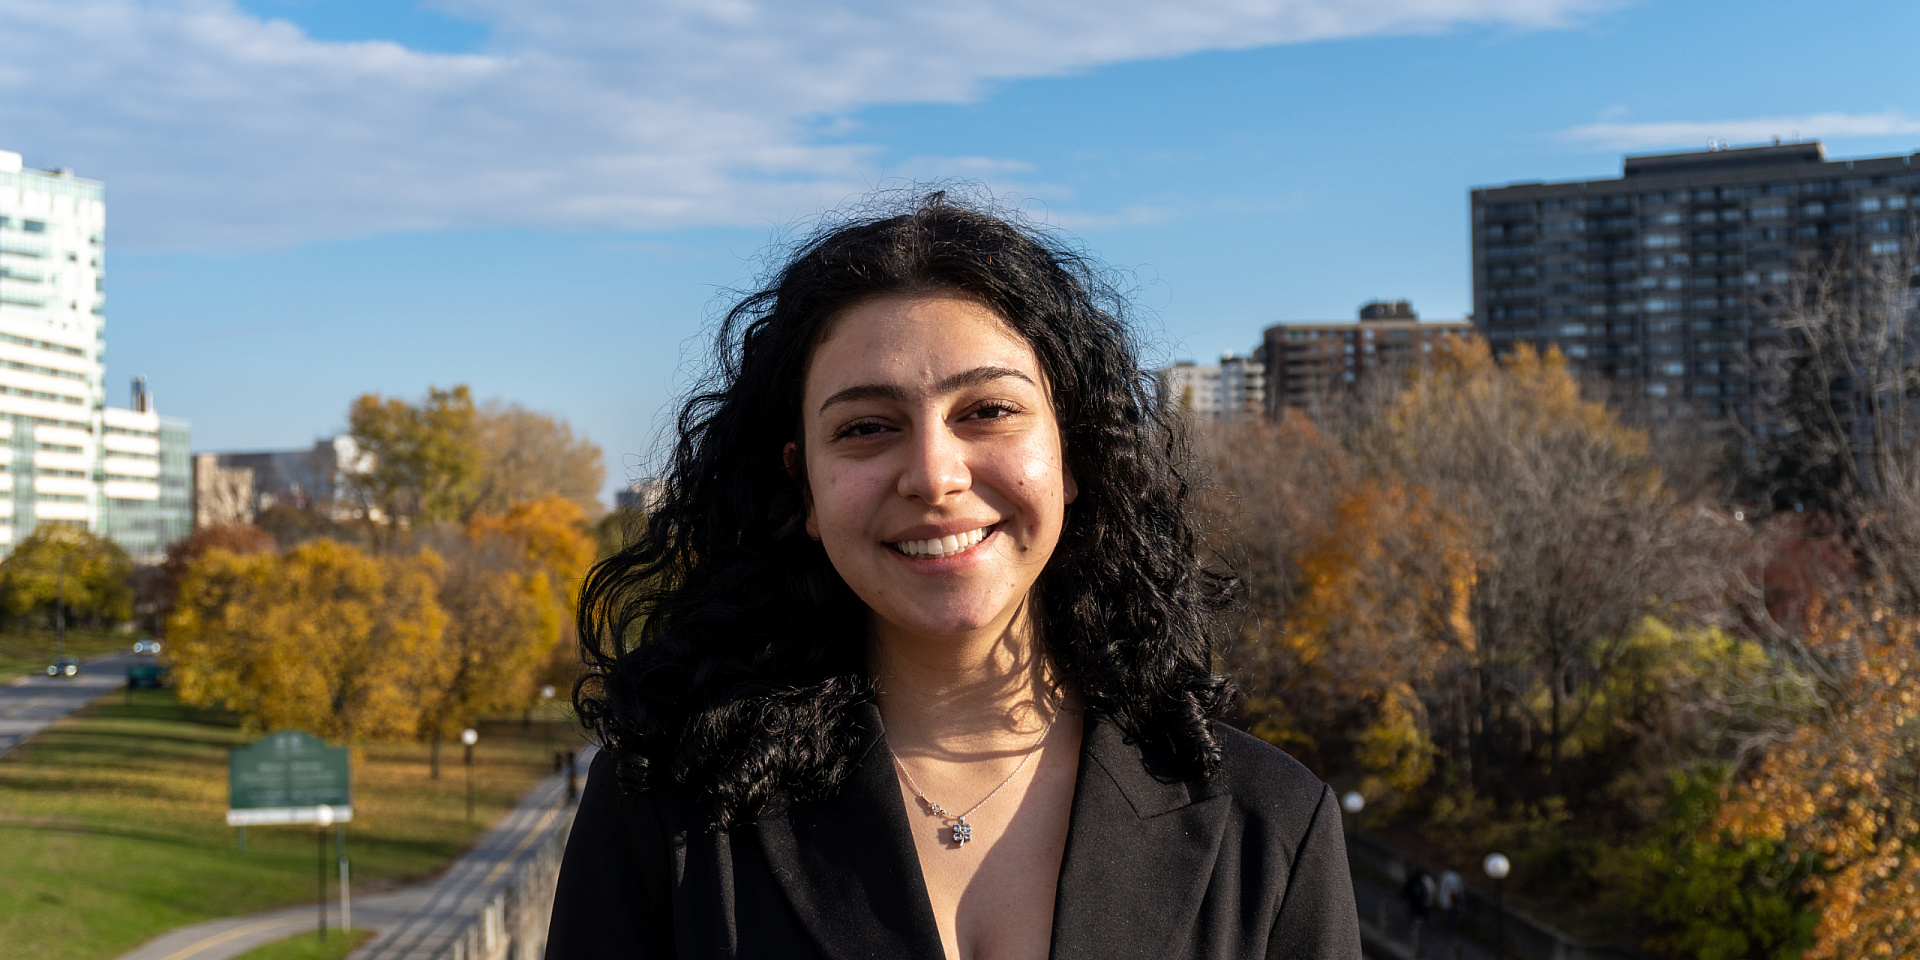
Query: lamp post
x,y
469,737
324,818
1497,868
546,716
1352,803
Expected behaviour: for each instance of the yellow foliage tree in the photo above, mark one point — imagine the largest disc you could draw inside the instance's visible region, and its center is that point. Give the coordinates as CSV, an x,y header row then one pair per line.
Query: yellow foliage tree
x,y
1383,609
1845,789
424,462
508,588
1577,539
326,638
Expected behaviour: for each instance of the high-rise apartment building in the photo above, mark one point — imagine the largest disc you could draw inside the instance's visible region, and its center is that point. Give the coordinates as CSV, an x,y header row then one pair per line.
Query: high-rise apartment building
x,y
68,458
1308,363
1235,389
1657,280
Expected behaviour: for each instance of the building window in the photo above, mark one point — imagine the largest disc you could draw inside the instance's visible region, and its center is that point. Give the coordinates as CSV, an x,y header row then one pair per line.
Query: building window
x,y
1881,247
1870,204
33,226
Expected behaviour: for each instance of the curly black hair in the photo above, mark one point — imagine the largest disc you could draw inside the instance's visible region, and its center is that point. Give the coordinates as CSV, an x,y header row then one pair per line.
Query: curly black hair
x,y
724,652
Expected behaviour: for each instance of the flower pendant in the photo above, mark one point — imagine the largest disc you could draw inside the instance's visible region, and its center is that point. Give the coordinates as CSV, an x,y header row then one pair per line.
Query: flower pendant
x,y
962,832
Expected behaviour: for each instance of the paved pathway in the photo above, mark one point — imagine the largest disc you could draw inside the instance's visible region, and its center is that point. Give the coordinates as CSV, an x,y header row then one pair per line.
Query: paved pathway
x,y
413,922
32,703
1391,930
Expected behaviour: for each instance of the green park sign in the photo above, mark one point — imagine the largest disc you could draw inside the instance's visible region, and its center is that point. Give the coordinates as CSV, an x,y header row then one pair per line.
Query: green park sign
x,y
288,777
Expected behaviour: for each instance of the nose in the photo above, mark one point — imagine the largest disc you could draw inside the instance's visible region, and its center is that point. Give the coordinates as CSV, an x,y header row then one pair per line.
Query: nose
x,y
936,466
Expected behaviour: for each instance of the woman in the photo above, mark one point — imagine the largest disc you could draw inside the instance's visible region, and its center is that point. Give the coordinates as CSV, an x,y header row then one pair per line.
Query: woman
x,y
913,658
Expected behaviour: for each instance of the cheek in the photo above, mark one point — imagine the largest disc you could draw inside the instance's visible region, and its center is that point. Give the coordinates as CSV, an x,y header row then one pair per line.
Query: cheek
x,y
1039,484
844,497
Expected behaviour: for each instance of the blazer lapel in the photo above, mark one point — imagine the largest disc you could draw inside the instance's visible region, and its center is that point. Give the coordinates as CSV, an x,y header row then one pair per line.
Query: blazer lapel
x,y
1140,852
848,866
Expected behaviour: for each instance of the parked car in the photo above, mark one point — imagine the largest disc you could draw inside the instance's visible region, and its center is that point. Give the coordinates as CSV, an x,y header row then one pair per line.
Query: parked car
x,y
65,666
146,676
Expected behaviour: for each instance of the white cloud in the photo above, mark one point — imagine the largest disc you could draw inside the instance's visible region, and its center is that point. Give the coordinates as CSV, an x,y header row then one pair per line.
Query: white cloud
x,y
217,129
1612,135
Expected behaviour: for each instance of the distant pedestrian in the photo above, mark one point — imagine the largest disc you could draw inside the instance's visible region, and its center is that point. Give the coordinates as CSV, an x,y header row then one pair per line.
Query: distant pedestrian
x,y
573,776
1418,893
1453,895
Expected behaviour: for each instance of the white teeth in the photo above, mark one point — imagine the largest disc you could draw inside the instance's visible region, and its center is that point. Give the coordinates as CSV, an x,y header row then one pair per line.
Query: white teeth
x,y
942,546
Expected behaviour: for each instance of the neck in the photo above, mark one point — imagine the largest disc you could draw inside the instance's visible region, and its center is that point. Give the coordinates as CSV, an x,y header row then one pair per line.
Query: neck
x,y
962,695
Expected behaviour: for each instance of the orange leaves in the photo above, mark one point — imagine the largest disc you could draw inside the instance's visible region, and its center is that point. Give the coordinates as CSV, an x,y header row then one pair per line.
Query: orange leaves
x,y
1391,573
1383,609
550,533
1847,786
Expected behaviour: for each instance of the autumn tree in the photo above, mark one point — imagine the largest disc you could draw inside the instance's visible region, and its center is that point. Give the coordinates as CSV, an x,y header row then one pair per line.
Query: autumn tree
x,y
325,638
1384,615
1844,787
508,591
61,568
1842,429
528,455
423,463
1578,538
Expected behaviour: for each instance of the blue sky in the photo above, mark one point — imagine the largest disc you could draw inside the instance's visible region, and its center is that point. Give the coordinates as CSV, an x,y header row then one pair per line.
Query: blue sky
x,y
548,199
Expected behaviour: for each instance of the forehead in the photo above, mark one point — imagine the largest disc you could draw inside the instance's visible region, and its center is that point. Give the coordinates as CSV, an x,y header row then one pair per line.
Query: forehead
x,y
907,338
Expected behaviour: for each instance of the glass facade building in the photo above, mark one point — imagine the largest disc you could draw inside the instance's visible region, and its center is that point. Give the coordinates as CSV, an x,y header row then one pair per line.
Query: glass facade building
x,y
65,456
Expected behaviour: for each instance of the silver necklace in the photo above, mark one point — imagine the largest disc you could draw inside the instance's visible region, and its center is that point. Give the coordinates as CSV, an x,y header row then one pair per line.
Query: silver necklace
x,y
962,830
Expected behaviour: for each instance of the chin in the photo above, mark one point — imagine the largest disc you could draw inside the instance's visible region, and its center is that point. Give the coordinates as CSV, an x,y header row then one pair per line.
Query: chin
x,y
947,622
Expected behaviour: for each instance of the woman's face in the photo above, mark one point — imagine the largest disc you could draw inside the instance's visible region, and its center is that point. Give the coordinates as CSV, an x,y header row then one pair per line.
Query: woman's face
x,y
935,473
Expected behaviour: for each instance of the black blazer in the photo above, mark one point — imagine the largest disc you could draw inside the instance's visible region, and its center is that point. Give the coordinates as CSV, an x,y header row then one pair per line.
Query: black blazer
x,y
1248,864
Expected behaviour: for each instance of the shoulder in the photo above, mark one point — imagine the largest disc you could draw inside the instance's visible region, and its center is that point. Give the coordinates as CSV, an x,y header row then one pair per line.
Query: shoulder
x,y
1265,782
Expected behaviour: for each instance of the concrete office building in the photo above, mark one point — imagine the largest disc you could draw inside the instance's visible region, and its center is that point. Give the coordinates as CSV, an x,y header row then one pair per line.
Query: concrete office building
x,y
68,458
1657,280
1310,363
236,487
1234,389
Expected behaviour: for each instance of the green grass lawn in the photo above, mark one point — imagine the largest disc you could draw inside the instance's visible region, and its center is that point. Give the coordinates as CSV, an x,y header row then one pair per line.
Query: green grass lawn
x,y
30,653
113,824
309,946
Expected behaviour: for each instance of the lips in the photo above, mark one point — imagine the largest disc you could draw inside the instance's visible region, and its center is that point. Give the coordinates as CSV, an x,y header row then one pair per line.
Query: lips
x,y
939,548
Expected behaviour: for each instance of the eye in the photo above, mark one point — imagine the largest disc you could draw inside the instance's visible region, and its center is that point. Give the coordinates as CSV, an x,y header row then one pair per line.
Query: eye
x,y
993,410
860,428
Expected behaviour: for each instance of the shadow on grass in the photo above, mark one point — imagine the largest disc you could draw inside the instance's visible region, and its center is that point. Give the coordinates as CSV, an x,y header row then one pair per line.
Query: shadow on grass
x,y
96,830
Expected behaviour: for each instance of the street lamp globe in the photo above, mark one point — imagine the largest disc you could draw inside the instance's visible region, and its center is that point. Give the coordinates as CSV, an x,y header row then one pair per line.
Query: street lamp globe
x,y
324,815
1353,802
1497,866
469,737
546,692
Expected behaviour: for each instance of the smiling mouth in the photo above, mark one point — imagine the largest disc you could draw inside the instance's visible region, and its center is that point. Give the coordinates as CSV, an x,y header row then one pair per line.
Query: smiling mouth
x,y
940,548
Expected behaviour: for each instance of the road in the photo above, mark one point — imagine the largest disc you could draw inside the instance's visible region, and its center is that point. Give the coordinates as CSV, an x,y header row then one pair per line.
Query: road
x,y
414,923
32,703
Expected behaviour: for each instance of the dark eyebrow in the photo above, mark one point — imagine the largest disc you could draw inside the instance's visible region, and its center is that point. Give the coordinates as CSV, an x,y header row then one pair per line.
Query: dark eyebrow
x,y
888,391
